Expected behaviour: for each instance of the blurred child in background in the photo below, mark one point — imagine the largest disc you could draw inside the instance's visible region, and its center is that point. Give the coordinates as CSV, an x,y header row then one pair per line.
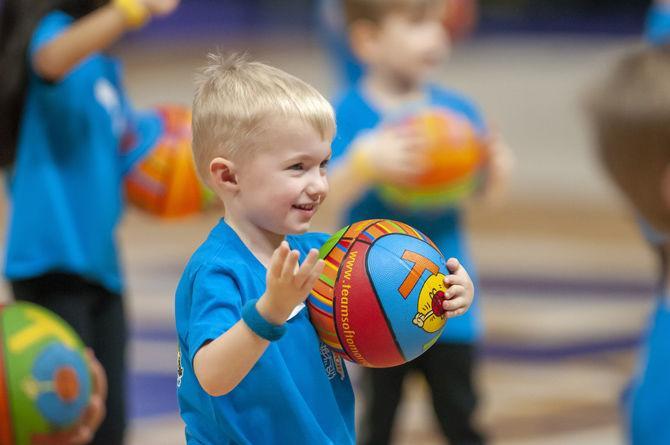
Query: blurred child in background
x,y
65,122
631,118
630,111
399,43
459,19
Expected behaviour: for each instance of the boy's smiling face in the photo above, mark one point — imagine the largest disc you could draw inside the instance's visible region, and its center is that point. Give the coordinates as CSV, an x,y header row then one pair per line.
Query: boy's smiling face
x,y
283,181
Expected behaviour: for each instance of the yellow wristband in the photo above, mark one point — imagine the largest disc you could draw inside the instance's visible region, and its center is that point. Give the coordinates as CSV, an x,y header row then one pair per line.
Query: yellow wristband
x,y
135,12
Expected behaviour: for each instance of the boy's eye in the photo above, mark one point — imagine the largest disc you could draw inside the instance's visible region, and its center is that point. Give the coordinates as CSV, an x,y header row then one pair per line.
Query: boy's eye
x,y
296,166
324,164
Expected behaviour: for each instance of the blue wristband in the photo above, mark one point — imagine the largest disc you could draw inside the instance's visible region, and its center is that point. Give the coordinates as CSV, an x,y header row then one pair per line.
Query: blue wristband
x,y
260,325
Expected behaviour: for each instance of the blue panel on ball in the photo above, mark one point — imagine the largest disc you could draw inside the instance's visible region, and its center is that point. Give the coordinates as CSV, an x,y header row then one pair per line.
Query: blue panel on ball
x,y
401,264
50,359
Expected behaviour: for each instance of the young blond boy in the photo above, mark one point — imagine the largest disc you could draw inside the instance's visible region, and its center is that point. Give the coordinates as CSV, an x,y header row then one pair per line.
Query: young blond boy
x,y
631,117
252,369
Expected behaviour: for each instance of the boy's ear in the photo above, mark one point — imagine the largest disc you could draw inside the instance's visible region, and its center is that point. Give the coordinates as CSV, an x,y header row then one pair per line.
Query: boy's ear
x,y
362,35
223,174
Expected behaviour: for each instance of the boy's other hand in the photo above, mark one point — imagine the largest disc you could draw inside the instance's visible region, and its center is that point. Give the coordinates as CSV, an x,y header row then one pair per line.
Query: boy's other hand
x,y
288,283
460,289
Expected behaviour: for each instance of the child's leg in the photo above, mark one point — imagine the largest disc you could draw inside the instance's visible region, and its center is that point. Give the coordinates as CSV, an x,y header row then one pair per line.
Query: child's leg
x,y
97,316
448,368
383,397
110,333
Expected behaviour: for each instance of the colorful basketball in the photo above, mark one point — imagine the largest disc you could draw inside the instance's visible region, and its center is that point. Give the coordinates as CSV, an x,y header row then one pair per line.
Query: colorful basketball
x,y
454,158
165,182
379,299
44,379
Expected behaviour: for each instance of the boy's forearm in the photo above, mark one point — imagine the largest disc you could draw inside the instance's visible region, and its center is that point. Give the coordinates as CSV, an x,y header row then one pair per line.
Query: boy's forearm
x,y
90,34
222,364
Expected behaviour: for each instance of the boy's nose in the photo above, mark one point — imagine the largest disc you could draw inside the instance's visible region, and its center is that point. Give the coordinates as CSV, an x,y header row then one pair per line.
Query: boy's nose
x,y
318,186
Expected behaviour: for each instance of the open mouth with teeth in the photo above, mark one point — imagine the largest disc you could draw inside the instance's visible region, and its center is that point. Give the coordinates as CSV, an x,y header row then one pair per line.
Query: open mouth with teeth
x,y
306,207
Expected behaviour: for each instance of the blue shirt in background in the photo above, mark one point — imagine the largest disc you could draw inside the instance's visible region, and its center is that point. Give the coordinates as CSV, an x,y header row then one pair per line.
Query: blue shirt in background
x,y
296,393
355,115
65,186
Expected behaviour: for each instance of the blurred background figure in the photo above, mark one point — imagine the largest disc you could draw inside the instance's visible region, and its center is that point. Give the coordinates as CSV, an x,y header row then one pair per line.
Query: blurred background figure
x,y
412,150
562,321
65,120
630,111
630,114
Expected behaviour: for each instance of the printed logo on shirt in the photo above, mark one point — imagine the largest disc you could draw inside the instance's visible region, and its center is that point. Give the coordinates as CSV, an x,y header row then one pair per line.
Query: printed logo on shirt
x,y
331,363
180,370
108,97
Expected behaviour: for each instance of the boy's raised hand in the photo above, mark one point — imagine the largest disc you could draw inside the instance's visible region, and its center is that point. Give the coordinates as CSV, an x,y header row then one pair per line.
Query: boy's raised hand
x,y
288,283
460,289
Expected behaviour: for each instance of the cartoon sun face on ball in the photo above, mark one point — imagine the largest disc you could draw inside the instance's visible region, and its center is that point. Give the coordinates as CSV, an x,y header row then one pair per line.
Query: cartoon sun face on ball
x,y
430,314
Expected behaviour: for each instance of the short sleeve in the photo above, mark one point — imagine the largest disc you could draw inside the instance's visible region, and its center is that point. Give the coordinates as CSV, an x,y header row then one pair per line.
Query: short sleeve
x,y
50,27
215,306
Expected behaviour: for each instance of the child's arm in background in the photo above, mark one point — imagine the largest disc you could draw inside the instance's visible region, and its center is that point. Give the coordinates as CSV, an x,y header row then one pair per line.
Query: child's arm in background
x,y
499,168
95,32
389,152
221,364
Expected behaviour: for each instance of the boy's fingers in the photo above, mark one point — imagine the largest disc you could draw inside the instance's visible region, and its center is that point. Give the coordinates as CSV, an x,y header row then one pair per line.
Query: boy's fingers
x,y
314,275
278,259
453,265
453,280
455,290
290,264
306,267
454,304
456,313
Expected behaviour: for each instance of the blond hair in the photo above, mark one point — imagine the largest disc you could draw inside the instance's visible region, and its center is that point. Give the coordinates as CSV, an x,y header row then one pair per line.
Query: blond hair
x,y
630,111
376,10
235,97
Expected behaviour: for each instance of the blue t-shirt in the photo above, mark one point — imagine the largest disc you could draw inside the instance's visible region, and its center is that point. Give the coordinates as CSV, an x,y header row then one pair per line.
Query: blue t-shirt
x,y
649,404
65,186
355,115
296,393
